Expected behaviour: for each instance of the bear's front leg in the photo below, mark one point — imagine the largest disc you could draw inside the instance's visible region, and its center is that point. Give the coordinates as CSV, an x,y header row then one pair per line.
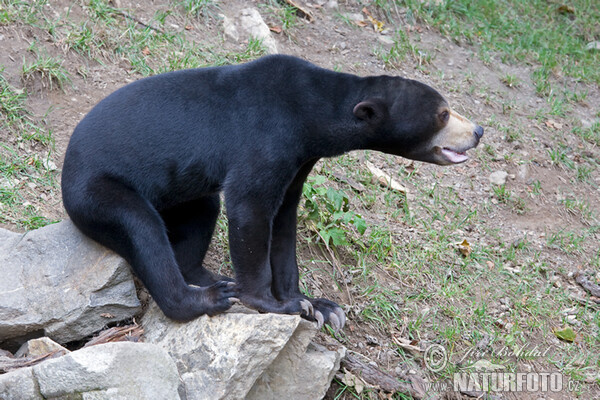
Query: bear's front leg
x,y
284,267
250,225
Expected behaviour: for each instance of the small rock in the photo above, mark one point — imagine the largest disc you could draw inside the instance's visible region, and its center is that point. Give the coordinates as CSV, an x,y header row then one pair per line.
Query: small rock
x,y
386,40
498,178
50,165
372,340
354,17
593,46
248,23
523,172
332,4
39,347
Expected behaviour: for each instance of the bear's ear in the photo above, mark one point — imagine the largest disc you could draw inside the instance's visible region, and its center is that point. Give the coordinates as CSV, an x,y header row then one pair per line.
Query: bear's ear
x,y
370,110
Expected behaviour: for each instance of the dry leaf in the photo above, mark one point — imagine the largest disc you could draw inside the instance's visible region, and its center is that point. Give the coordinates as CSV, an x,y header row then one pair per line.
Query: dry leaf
x,y
553,124
408,345
354,381
377,25
567,334
566,9
465,248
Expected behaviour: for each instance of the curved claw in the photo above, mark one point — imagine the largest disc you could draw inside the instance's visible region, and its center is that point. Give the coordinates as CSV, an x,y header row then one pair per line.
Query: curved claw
x,y
307,307
341,316
320,319
334,322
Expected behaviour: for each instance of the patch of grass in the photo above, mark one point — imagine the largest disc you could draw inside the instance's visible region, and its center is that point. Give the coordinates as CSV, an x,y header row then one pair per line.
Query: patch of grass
x,y
50,70
285,14
511,81
591,134
20,10
558,156
400,49
534,31
567,241
84,40
580,208
12,101
198,7
22,176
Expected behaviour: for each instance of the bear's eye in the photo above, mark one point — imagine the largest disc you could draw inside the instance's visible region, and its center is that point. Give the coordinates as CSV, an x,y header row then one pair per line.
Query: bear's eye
x,y
444,116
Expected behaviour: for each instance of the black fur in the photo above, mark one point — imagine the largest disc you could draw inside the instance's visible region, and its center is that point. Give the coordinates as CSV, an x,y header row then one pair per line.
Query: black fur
x,y
143,171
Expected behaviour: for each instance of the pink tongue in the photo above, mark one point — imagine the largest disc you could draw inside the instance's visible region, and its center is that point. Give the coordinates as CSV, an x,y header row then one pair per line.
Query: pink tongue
x,y
454,156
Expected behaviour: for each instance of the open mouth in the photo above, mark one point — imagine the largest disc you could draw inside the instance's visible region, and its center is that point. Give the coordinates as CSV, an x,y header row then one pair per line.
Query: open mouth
x,y
453,156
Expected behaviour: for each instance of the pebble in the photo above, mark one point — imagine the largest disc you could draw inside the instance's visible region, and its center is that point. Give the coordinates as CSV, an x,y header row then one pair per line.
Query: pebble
x,y
498,178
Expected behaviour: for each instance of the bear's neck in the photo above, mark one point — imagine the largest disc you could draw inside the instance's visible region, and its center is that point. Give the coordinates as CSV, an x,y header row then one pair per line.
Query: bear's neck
x,y
334,129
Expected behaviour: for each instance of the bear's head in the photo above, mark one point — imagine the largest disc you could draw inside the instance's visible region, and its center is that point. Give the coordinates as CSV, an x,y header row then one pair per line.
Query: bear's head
x,y
411,119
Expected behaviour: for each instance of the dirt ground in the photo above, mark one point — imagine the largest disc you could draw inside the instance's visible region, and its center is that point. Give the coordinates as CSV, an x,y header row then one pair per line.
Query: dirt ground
x,y
529,237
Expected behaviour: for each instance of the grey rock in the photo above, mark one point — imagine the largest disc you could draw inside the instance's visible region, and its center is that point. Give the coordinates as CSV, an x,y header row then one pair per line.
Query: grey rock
x,y
249,24
58,281
122,370
498,178
288,376
18,385
240,353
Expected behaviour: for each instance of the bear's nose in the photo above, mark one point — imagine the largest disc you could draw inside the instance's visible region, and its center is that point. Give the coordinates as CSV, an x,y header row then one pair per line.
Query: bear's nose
x,y
478,131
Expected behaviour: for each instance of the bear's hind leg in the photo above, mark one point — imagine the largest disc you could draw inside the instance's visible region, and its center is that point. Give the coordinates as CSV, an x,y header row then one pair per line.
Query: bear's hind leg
x,y
116,216
190,227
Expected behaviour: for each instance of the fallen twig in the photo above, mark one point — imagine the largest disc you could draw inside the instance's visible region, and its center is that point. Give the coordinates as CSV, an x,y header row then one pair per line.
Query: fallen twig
x,y
384,179
412,385
8,364
129,333
588,285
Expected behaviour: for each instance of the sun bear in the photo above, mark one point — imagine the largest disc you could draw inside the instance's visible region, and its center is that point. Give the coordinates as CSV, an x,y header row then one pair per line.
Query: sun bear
x,y
144,169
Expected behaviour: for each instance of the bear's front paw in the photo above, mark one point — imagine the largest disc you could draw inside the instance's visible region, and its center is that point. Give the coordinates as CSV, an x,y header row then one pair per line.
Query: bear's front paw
x,y
218,297
328,312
